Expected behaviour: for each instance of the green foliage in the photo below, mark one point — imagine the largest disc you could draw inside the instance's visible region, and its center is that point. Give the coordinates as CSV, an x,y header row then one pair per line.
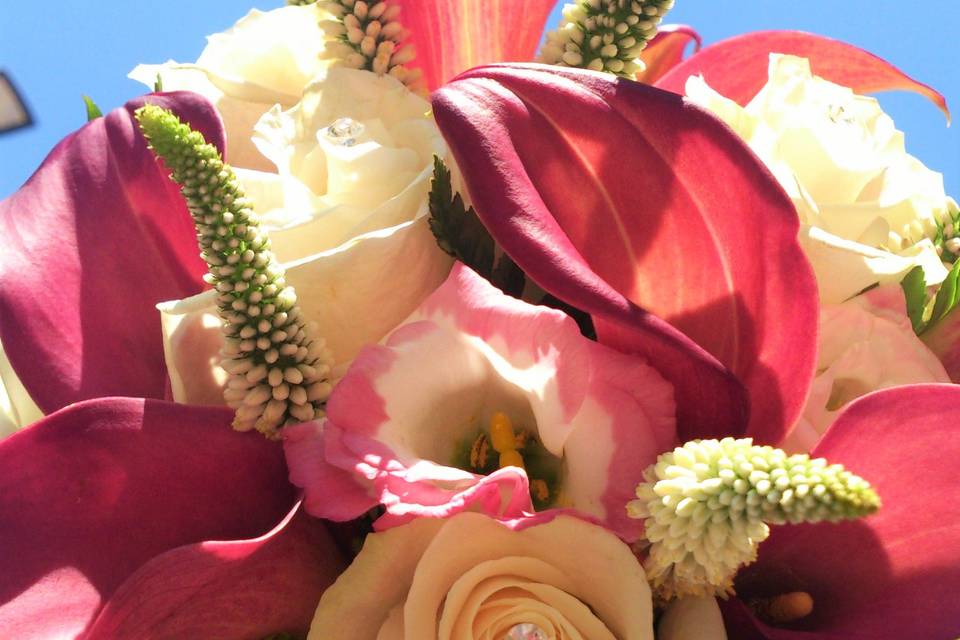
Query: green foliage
x,y
158,84
914,286
924,313
460,233
93,111
947,296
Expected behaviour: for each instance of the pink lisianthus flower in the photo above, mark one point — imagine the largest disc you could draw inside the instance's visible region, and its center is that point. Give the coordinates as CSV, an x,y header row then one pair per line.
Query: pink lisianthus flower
x,y
407,426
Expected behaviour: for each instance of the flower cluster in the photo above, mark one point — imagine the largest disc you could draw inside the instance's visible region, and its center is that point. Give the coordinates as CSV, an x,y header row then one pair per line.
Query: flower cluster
x,y
507,393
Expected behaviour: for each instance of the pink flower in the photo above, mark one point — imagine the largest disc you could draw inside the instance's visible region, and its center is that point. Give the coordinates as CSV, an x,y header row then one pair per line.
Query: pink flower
x,y
407,425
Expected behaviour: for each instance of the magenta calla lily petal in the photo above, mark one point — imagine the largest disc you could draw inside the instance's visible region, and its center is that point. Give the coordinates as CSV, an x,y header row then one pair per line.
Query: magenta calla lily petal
x,y
737,67
452,36
92,492
896,574
234,589
611,194
666,50
93,241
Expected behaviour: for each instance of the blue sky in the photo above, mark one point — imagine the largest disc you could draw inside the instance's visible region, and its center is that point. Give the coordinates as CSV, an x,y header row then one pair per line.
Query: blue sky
x,y
59,50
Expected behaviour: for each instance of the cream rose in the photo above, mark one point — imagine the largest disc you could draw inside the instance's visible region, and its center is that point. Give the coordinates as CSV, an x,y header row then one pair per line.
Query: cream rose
x,y
869,210
346,212
473,577
866,344
266,58
17,408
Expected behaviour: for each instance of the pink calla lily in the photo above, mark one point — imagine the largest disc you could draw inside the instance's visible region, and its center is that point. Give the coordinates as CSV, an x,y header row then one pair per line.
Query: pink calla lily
x,y
452,36
105,507
679,218
93,241
737,67
666,51
896,574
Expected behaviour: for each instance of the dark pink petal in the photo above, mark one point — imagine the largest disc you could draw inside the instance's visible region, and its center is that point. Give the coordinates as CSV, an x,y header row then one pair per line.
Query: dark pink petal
x,y
234,589
92,492
306,453
92,242
896,574
666,50
737,67
452,36
612,194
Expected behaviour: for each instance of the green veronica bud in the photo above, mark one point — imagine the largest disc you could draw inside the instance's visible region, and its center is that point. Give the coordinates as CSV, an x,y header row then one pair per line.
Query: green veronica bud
x,y
278,366
604,35
706,506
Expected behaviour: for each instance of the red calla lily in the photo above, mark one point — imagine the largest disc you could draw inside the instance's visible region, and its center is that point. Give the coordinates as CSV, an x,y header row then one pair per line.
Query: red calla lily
x,y
896,574
737,67
452,36
95,238
612,194
666,51
104,510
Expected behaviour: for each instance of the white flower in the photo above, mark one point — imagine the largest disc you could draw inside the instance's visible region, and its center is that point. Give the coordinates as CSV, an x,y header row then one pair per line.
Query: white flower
x,y
866,344
266,58
869,209
346,211
17,408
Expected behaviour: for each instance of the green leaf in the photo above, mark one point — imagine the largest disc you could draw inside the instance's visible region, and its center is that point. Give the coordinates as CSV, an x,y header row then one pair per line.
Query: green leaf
x,y
158,84
457,228
914,286
508,277
947,296
93,111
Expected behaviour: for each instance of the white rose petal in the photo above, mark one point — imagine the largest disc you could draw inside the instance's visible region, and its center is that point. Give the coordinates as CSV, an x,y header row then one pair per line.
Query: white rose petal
x,y
347,218
266,58
17,408
872,207
355,293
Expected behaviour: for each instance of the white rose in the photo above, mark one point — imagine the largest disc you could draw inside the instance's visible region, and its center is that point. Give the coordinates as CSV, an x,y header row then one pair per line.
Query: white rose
x,y
866,344
17,408
346,212
471,577
873,207
266,58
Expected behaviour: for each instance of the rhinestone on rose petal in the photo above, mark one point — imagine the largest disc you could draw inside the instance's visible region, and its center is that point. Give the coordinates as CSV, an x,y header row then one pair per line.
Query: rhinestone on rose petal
x,y
525,631
344,131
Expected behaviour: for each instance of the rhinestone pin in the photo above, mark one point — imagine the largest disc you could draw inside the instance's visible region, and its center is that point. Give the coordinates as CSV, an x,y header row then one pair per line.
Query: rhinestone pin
x,y
344,131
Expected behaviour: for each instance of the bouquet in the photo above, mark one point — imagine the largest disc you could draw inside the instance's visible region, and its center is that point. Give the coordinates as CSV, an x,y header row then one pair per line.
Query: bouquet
x,y
382,320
